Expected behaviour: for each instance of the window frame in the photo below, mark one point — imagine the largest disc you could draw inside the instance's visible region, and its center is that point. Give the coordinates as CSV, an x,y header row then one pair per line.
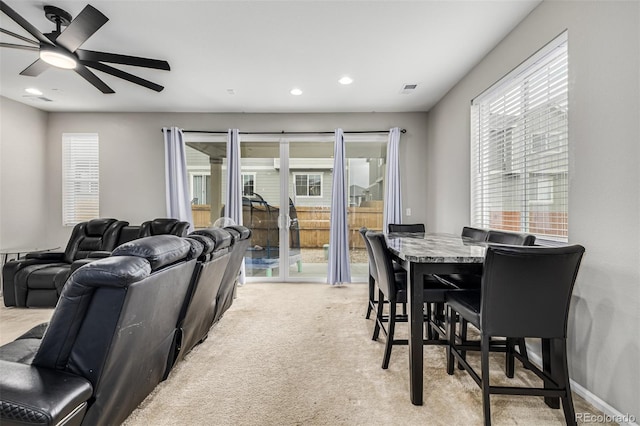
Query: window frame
x,y
88,161
522,153
192,175
295,184
253,176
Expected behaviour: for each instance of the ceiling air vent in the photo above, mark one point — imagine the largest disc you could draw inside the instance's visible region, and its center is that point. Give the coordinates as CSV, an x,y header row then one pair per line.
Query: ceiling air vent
x,y
408,88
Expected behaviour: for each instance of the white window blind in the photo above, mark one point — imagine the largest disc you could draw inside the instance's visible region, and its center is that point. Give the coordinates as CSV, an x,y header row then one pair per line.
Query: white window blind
x,y
519,148
80,178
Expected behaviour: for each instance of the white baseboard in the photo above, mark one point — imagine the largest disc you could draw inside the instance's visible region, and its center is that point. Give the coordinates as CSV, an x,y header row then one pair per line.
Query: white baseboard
x,y
591,398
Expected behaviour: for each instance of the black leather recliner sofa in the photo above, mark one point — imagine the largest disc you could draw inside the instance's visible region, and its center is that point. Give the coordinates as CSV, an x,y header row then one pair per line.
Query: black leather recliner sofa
x,y
121,324
108,341
37,279
241,239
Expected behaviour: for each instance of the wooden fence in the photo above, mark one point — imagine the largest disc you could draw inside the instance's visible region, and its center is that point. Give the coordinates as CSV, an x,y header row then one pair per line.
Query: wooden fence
x,y
314,223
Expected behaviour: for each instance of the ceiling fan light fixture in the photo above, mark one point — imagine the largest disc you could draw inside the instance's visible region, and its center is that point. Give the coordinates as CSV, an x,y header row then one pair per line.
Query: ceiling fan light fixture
x,y
58,59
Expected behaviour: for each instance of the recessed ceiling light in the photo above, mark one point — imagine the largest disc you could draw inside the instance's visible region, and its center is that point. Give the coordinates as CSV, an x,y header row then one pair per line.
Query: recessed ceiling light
x,y
33,91
296,92
345,80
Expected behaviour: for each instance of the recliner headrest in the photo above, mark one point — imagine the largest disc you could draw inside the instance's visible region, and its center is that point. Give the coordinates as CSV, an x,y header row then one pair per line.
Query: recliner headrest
x,y
243,230
111,272
164,226
160,250
220,237
97,227
208,245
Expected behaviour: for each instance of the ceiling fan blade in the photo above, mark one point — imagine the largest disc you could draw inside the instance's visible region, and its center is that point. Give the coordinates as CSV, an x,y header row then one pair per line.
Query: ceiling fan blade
x,y
36,68
23,23
113,58
81,28
19,46
18,36
124,75
93,79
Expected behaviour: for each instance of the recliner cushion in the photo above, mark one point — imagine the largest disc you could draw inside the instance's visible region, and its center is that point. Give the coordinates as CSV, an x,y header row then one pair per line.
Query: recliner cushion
x,y
160,250
220,237
244,231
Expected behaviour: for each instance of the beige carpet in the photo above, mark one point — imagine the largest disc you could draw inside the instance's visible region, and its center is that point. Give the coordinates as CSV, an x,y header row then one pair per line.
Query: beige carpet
x,y
302,354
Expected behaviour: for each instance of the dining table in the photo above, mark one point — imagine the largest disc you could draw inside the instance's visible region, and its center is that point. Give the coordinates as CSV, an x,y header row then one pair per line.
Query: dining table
x,y
422,254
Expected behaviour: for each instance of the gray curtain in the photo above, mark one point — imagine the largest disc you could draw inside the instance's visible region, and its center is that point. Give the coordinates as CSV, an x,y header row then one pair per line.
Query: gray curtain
x,y
392,193
339,268
176,181
233,202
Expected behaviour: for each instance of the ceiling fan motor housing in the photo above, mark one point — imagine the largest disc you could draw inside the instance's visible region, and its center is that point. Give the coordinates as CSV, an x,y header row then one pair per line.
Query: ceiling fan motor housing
x,y
57,15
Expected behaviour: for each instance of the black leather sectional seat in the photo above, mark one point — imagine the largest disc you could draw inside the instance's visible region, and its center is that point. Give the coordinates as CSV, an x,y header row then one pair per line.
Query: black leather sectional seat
x,y
120,325
37,279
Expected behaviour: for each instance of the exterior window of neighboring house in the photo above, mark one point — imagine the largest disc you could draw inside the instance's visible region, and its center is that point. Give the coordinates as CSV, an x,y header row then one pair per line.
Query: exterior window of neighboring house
x,y
248,184
519,148
308,185
80,178
200,188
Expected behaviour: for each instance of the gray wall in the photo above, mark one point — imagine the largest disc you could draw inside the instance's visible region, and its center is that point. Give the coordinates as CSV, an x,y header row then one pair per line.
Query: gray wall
x,y
23,208
604,213
132,155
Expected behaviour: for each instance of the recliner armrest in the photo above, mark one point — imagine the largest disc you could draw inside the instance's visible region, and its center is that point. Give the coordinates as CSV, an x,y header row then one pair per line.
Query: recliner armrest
x,y
101,254
53,256
30,394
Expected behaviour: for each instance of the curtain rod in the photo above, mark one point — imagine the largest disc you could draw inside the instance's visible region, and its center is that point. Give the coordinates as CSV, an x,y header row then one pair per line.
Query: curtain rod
x,y
283,132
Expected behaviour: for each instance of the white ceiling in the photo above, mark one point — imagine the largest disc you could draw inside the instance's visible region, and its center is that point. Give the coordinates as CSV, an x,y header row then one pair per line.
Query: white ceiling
x,y
262,49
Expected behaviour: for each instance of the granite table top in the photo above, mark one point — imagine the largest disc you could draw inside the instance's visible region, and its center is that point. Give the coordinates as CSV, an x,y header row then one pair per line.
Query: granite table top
x,y
435,248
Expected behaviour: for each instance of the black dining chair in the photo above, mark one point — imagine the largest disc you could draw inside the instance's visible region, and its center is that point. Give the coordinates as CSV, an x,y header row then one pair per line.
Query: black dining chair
x,y
373,275
406,227
392,287
471,282
511,238
525,293
474,234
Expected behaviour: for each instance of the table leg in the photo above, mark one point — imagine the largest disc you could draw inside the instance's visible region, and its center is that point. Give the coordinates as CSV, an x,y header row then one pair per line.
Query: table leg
x,y
415,302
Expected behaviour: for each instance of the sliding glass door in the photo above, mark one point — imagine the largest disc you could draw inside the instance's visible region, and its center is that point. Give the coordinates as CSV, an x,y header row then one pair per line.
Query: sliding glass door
x,y
287,184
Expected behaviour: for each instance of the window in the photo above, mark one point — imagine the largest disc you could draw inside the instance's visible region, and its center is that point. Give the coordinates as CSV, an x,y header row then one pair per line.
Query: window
x,y
80,178
200,188
308,185
519,148
248,184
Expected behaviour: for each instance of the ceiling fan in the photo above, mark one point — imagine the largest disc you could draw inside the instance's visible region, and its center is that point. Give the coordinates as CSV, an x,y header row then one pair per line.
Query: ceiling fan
x,y
60,48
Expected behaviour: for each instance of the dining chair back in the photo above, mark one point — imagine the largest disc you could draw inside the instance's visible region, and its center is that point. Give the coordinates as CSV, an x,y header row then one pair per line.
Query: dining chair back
x,y
373,273
384,266
510,238
406,227
525,293
475,234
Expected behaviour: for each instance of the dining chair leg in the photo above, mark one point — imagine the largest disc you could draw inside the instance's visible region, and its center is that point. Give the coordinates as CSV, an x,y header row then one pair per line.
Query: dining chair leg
x,y
372,291
522,346
451,336
429,316
486,404
562,378
390,332
463,337
509,367
376,328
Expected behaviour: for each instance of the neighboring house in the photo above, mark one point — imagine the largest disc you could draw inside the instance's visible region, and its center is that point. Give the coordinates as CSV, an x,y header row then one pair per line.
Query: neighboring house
x,y
310,179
